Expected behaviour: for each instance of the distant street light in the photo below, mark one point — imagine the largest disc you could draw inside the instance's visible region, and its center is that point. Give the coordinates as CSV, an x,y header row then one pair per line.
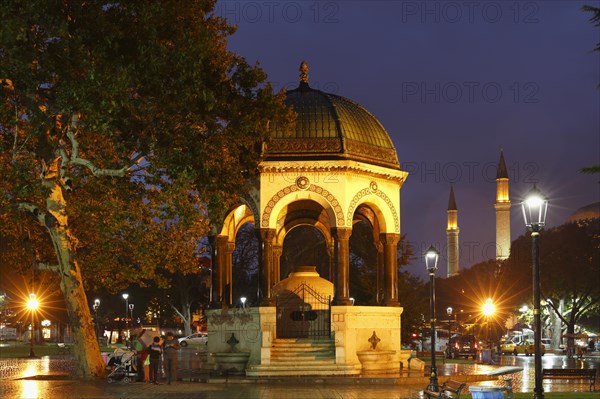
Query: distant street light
x,y
431,259
243,300
96,306
534,208
32,305
449,312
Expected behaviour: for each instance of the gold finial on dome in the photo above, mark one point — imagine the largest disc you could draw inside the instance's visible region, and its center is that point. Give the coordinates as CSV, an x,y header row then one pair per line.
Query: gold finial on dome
x,y
304,72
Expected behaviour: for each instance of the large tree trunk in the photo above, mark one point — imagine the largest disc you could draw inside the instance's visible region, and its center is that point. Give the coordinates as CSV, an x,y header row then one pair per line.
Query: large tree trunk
x,y
185,313
86,348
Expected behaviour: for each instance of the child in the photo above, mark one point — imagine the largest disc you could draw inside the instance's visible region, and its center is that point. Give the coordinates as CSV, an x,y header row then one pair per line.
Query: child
x,y
155,351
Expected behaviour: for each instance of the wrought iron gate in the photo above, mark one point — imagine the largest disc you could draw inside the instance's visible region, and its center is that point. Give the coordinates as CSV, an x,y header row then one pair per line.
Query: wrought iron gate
x,y
303,313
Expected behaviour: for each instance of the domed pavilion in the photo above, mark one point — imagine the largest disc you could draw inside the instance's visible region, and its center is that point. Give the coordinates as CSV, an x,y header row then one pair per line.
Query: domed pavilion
x,y
336,167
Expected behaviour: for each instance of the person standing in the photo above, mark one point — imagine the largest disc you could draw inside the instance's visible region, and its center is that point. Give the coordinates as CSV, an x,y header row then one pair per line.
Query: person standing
x,y
170,348
141,350
155,351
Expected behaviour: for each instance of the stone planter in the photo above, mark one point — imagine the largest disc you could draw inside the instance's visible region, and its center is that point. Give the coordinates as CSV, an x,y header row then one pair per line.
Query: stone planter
x,y
405,354
377,361
231,362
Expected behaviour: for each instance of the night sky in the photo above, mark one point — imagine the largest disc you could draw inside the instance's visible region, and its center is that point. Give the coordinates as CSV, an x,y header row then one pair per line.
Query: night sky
x,y
452,83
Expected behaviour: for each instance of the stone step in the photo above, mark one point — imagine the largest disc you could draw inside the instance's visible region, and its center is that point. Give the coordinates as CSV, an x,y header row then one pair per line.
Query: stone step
x,y
303,356
292,370
308,349
303,351
300,345
305,362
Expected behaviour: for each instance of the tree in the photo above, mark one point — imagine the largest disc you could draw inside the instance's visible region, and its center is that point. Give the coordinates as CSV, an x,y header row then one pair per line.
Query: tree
x,y
414,298
104,100
569,265
594,19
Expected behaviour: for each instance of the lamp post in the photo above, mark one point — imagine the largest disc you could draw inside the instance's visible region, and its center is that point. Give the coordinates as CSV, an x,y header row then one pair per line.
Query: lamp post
x,y
32,305
96,306
131,306
488,310
535,207
243,300
431,258
126,297
449,312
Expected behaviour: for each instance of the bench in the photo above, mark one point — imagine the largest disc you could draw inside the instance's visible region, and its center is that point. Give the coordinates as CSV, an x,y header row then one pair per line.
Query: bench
x,y
63,349
449,389
590,374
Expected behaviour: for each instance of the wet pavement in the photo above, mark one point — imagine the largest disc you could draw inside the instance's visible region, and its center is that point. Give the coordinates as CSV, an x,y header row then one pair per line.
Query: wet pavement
x,y
49,377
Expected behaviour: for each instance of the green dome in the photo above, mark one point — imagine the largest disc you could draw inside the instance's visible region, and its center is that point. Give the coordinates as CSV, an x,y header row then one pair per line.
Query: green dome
x,y
331,127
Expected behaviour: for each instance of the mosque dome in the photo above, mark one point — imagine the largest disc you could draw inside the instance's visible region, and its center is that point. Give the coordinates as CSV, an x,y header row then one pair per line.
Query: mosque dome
x,y
588,212
329,126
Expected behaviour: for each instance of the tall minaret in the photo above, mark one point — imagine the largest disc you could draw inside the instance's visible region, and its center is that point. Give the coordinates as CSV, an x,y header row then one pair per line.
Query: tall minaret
x,y
452,235
502,206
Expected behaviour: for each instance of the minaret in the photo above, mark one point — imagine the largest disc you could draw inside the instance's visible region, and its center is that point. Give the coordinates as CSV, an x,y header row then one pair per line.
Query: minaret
x,y
452,235
502,206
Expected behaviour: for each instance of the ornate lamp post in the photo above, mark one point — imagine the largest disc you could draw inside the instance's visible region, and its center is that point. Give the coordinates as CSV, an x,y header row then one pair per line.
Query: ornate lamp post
x,y
535,207
32,305
431,258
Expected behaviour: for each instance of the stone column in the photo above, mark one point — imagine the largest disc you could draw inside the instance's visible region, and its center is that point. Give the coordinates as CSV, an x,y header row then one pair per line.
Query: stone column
x,y
229,248
277,251
331,253
266,236
219,272
342,256
214,273
390,254
380,272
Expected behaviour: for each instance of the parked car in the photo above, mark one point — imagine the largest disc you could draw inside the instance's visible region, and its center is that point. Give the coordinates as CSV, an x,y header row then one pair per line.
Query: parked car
x,y
464,345
200,338
547,343
527,348
507,347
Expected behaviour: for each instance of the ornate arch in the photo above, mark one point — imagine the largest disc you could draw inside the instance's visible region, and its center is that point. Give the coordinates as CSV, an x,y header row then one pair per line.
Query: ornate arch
x,y
301,185
372,189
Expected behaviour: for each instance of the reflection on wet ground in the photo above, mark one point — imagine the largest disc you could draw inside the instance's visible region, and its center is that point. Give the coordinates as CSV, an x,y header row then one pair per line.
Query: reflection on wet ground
x,y
36,378
525,381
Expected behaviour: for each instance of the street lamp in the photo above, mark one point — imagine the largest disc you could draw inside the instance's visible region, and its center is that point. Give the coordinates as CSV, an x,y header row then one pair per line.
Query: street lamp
x,y
243,300
431,259
131,306
96,306
535,207
126,297
32,305
449,312
488,310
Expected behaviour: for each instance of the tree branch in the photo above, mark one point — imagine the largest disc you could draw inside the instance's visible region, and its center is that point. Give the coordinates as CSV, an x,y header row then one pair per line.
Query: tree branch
x,y
45,266
87,163
177,311
34,210
73,126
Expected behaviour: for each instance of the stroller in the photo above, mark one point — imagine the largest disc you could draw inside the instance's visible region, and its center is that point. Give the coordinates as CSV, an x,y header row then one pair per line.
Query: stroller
x,y
122,364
